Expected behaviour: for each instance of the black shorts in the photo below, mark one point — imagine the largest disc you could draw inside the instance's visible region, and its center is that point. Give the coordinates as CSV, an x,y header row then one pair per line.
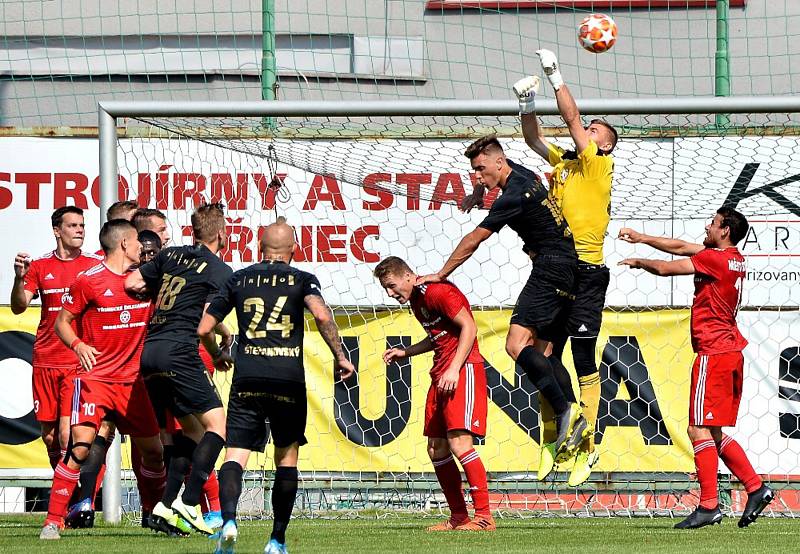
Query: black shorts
x,y
585,314
279,408
177,380
546,295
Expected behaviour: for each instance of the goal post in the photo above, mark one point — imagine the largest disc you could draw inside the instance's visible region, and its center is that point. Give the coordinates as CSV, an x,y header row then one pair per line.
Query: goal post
x,y
364,179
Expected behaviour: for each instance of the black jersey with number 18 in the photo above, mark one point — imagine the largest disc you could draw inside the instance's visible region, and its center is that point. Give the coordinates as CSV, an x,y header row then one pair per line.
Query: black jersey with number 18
x,y
269,299
186,278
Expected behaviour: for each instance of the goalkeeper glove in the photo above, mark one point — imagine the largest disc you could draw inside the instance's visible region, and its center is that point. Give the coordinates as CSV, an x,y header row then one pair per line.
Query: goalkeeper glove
x,y
526,89
550,67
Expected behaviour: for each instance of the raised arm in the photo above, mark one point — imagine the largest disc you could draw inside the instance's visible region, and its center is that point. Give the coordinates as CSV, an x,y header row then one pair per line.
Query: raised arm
x,y
465,249
330,334
20,298
526,90
672,246
566,103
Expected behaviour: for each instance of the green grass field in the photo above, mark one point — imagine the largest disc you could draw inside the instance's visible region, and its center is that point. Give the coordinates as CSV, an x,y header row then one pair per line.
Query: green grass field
x,y
407,534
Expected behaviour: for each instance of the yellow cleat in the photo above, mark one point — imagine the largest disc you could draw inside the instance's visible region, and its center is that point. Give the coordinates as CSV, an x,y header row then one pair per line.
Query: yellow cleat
x,y
582,468
547,459
192,515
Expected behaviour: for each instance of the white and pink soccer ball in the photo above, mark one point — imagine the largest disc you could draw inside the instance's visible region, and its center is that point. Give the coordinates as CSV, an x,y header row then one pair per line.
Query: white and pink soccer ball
x,y
597,33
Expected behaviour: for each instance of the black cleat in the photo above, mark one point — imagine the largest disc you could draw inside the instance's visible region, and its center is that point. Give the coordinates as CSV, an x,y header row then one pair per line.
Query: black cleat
x,y
565,426
160,525
700,518
756,502
80,516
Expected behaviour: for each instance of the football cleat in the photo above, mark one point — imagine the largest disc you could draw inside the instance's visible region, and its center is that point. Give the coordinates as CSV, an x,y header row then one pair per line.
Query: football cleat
x,y
193,516
566,426
700,518
50,532
756,502
163,519
547,458
213,519
274,547
449,525
478,523
582,468
226,538
81,515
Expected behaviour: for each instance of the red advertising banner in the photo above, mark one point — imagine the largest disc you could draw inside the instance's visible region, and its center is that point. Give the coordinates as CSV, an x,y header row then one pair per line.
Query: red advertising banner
x,y
592,4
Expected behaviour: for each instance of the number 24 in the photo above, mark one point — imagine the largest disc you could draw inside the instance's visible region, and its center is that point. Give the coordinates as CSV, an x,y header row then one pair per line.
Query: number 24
x,y
256,305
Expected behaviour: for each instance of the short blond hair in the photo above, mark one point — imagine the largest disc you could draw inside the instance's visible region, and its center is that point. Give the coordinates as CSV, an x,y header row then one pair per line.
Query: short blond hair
x,y
208,220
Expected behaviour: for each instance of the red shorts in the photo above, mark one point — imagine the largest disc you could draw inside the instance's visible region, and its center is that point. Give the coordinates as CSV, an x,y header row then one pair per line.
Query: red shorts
x,y
52,392
464,409
126,404
173,425
716,389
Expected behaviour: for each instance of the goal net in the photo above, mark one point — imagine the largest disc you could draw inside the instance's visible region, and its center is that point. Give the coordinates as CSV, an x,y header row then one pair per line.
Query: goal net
x,y
360,187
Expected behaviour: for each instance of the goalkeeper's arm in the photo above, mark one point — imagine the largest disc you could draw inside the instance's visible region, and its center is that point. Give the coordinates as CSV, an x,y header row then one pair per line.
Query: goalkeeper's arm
x,y
672,246
566,103
526,89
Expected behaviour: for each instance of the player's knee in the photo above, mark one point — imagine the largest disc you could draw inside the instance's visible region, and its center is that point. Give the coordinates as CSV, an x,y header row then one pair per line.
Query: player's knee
x,y
513,348
79,452
152,453
49,438
438,449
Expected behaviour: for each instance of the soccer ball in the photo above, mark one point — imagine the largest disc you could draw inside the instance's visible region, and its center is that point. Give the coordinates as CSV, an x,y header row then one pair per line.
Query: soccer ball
x,y
597,33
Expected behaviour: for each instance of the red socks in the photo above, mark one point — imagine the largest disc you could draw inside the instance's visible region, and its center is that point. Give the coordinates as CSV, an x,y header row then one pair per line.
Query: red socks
x,y
151,485
450,480
707,463
476,476
734,457
209,500
64,482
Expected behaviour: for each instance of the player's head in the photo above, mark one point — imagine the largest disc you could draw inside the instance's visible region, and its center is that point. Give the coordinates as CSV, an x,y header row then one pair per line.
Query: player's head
x,y
68,226
727,228
119,235
488,161
151,245
277,241
603,135
396,278
124,209
146,219
208,224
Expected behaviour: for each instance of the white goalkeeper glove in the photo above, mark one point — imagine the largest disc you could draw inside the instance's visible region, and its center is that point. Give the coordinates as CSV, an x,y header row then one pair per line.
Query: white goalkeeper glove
x,y
550,67
526,89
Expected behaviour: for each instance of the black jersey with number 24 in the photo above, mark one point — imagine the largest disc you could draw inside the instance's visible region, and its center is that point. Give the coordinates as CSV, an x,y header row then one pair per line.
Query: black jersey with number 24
x,y
186,278
269,299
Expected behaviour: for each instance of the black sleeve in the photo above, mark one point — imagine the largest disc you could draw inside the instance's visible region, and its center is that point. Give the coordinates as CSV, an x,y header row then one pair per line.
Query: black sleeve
x,y
311,285
502,211
220,273
152,271
222,300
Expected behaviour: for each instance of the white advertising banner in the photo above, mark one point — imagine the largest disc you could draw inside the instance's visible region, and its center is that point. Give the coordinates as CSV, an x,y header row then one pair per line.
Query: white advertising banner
x,y
668,187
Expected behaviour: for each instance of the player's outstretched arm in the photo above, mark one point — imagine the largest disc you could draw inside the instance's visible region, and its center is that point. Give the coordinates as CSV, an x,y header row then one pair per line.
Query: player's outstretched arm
x,y
672,246
330,333
662,268
20,298
566,103
425,345
465,249
87,355
526,90
468,331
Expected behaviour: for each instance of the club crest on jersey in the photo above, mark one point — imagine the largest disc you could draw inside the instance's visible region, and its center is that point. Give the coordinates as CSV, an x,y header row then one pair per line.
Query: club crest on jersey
x,y
66,298
125,316
425,313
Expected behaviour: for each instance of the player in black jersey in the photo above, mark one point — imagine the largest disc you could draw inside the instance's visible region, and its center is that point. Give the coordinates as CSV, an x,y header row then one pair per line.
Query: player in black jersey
x,y
526,207
186,278
269,379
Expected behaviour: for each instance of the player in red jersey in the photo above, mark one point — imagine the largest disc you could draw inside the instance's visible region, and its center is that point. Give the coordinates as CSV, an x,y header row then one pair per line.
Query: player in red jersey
x,y
148,219
107,383
49,278
717,374
455,409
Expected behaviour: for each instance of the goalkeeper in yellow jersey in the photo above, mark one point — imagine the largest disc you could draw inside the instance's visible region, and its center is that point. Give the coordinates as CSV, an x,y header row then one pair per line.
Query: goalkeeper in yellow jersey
x,y
581,186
